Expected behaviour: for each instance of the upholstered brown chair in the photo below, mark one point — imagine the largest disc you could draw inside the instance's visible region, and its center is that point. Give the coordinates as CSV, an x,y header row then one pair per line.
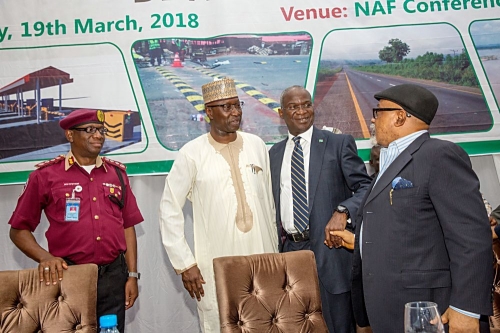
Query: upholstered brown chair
x,y
271,292
28,306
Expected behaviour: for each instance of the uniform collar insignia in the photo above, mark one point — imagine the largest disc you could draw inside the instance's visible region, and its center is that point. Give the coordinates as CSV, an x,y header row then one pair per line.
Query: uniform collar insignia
x,y
71,160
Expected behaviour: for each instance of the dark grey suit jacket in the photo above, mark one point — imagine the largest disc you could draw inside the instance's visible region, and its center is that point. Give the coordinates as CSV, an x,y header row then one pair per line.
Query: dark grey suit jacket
x,y
431,243
337,176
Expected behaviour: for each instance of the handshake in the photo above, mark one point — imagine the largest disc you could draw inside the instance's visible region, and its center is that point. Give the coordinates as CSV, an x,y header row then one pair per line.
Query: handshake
x,y
347,238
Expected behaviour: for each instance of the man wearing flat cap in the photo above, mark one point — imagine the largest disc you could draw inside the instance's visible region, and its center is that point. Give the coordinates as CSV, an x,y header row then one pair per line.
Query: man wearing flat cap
x,y
424,232
91,212
225,174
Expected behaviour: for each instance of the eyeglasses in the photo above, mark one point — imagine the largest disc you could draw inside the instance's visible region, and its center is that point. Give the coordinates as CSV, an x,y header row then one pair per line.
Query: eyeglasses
x,y
297,107
91,129
227,107
377,110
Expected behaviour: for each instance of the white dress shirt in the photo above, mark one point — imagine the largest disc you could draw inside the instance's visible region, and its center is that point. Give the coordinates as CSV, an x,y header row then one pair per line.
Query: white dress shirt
x,y
286,198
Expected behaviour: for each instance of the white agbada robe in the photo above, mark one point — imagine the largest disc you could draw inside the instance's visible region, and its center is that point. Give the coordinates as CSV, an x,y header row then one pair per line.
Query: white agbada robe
x,y
201,174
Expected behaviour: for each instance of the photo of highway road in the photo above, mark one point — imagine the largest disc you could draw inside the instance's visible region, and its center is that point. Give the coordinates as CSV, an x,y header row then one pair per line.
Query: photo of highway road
x,y
355,64
486,38
262,67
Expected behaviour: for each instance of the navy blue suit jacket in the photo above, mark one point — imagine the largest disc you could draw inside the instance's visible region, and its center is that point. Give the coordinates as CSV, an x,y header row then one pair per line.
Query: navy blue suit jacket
x,y
337,176
429,242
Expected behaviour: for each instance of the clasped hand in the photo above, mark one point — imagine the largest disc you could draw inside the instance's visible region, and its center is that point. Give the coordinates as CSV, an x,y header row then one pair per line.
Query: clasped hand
x,y
337,223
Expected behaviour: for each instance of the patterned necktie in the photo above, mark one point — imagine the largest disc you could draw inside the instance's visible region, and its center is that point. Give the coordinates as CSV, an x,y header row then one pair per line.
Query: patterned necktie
x,y
299,193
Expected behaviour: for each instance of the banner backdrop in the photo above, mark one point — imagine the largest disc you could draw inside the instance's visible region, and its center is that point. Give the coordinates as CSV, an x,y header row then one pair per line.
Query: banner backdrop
x,y
143,63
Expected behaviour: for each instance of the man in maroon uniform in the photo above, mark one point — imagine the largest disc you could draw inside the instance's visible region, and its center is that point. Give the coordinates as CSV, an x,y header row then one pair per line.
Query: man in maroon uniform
x,y
91,211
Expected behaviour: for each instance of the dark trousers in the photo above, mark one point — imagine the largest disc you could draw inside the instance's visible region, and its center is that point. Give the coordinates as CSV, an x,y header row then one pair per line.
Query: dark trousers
x,y
484,324
337,308
111,290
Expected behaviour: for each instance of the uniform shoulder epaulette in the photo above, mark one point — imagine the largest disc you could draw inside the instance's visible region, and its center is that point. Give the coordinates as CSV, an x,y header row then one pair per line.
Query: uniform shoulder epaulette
x,y
50,162
115,163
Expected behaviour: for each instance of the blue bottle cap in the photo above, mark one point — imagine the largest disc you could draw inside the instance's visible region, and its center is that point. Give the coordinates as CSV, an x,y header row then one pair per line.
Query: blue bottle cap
x,y
108,321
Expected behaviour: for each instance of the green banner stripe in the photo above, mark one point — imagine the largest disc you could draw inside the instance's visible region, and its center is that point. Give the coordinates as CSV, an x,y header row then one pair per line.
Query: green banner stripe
x,y
138,168
144,168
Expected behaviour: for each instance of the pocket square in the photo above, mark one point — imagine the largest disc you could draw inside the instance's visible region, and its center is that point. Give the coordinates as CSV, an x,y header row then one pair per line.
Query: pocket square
x,y
400,183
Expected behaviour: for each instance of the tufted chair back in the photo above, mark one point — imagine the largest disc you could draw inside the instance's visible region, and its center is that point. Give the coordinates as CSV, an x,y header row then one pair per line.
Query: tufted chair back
x,y
270,292
28,306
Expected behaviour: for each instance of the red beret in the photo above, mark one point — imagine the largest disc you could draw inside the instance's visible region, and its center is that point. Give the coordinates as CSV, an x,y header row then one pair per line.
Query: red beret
x,y
81,116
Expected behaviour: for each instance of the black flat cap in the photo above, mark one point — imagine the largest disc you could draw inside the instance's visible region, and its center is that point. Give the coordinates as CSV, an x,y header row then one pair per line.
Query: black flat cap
x,y
414,99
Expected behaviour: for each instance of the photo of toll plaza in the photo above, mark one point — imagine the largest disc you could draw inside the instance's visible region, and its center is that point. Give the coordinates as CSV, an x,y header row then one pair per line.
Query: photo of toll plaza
x,y
29,118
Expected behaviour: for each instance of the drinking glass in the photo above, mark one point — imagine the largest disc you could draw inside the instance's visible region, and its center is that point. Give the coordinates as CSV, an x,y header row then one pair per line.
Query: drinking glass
x,y
422,317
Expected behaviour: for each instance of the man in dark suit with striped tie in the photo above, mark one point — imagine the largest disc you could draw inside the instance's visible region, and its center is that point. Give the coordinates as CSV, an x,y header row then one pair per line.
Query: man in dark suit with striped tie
x,y
318,182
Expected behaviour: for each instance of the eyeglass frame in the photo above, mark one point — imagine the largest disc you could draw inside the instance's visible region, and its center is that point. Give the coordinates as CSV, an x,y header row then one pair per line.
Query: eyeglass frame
x,y
91,130
228,107
375,111
297,107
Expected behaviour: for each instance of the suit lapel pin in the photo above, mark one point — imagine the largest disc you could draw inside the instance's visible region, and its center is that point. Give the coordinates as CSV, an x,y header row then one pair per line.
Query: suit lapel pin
x,y
320,140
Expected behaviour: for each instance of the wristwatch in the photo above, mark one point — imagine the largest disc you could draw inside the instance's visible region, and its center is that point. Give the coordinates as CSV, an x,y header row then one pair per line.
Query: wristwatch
x,y
135,275
342,209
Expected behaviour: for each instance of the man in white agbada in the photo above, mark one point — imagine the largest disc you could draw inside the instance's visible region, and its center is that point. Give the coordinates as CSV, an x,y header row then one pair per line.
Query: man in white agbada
x,y
226,176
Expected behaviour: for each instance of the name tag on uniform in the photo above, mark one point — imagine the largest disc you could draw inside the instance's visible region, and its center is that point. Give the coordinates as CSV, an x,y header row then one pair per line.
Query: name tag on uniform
x,y
72,210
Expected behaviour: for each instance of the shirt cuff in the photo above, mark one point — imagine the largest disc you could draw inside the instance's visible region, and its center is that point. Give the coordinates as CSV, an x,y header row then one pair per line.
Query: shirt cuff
x,y
467,313
180,271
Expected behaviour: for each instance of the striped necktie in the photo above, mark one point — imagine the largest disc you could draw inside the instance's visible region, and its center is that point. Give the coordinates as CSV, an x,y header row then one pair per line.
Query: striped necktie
x,y
299,193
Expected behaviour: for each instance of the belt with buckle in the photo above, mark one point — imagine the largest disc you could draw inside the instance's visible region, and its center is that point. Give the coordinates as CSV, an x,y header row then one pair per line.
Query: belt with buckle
x,y
299,236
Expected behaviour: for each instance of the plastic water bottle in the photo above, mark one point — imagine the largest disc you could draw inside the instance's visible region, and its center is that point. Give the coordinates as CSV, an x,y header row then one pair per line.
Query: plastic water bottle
x,y
109,324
